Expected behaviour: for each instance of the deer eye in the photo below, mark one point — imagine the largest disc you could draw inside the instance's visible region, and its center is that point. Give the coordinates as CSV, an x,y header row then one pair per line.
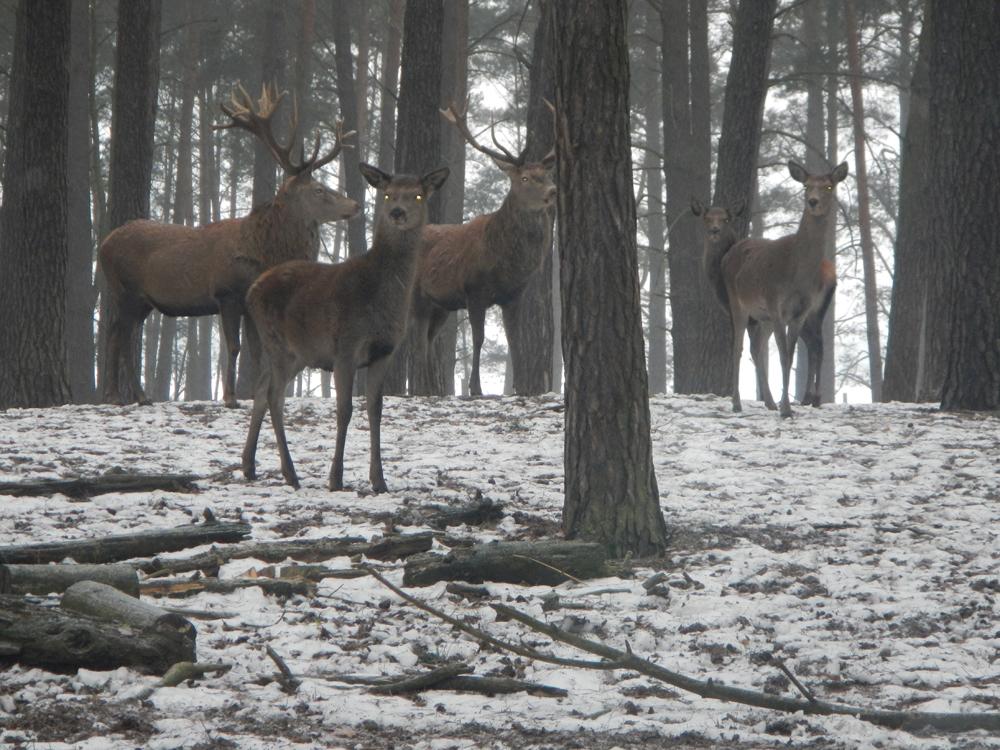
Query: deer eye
x,y
387,196
829,187
524,179
420,197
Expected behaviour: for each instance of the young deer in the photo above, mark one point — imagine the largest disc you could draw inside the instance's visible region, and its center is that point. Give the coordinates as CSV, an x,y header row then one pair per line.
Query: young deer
x,y
486,261
207,270
340,317
719,238
780,283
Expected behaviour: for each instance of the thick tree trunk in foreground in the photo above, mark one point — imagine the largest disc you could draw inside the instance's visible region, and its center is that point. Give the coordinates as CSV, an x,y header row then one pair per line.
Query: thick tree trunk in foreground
x,y
611,493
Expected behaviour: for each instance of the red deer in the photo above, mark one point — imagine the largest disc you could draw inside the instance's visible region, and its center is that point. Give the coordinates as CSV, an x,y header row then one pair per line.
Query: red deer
x,y
340,317
719,238
207,270
780,283
486,261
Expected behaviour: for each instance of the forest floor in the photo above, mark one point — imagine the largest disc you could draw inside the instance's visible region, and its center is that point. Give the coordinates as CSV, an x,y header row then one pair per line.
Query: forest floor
x,y
860,544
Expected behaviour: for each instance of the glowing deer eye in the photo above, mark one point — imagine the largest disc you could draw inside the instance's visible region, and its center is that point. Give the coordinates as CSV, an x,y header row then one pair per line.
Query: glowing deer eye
x,y
524,179
829,187
387,196
420,197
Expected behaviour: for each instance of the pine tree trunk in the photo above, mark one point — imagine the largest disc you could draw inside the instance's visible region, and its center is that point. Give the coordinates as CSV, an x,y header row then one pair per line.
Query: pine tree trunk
x,y
528,319
965,172
828,370
864,212
33,217
611,493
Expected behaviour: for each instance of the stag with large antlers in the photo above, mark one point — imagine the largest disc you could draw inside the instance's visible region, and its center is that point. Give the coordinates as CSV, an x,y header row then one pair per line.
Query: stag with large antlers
x,y
780,283
207,270
486,261
340,317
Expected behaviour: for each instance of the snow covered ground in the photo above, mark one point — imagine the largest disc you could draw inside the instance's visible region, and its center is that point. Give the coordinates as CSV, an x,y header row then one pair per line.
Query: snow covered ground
x,y
860,544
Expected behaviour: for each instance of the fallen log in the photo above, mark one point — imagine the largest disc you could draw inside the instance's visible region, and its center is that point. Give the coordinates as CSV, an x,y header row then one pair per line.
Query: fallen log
x,y
125,546
532,563
281,588
55,578
303,550
58,640
80,487
460,682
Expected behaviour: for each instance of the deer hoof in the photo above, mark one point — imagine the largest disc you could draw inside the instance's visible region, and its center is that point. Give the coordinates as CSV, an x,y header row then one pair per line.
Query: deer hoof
x,y
771,406
786,411
233,404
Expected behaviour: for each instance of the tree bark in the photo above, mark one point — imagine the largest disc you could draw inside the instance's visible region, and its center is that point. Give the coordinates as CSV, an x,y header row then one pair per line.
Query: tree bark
x,y
528,320
88,487
699,365
739,141
81,295
534,563
965,172
33,217
908,345
133,118
864,212
49,579
611,493
347,96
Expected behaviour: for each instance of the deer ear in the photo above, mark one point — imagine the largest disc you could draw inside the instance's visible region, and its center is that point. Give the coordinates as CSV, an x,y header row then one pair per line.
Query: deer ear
x,y
434,180
696,208
549,161
505,166
797,171
375,176
839,172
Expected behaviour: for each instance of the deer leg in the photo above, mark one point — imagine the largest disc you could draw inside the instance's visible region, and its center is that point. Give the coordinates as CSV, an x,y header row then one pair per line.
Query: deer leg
x,y
230,312
759,334
786,339
739,320
373,402
276,405
256,420
812,334
343,381
477,320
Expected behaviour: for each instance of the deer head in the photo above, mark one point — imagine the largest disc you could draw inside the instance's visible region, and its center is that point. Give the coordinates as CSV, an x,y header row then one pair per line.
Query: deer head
x,y
716,218
402,199
819,188
300,189
531,184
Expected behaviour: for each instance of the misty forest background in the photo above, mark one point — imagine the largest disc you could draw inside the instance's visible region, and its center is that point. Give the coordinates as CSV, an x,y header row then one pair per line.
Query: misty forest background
x,y
876,83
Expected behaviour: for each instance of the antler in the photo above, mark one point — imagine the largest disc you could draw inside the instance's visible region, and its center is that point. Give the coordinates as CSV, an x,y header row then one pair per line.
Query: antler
x,y
457,119
257,118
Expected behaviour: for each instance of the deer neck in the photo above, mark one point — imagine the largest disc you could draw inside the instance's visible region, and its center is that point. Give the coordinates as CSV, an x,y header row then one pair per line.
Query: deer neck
x,y
393,256
517,236
809,243
280,233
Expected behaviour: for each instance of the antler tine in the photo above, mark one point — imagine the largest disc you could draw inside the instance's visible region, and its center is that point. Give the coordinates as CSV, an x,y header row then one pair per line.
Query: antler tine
x,y
257,120
457,119
338,145
510,157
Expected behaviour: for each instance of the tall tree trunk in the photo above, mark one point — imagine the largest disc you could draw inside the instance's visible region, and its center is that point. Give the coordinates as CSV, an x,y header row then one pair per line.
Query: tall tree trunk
x,y
739,142
965,172
33,217
908,376
528,320
611,492
81,295
133,118
864,212
344,11
651,89
97,188
418,130
828,370
696,318
390,84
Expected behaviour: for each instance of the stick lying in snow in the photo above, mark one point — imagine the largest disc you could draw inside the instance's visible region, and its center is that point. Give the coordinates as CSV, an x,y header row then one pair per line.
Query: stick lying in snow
x,y
464,682
88,487
422,681
615,659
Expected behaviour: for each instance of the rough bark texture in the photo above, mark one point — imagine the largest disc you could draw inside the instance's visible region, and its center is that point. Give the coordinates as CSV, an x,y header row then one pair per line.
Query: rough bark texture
x,y
33,217
536,563
907,377
418,130
48,579
528,320
133,116
81,294
965,172
87,487
696,319
354,183
611,493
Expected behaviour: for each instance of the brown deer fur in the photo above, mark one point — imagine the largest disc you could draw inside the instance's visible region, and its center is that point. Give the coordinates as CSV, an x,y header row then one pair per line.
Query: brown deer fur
x,y
782,283
340,317
486,261
207,270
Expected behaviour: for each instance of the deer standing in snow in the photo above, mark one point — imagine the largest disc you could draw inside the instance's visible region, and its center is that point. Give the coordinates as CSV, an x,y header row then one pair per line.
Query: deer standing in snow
x,y
207,270
782,284
340,317
486,261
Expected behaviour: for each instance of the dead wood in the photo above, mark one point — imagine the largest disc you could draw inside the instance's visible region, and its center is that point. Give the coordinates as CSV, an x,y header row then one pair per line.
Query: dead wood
x,y
463,682
530,563
125,546
303,550
318,572
424,681
58,640
49,579
81,487
289,683
440,517
282,589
